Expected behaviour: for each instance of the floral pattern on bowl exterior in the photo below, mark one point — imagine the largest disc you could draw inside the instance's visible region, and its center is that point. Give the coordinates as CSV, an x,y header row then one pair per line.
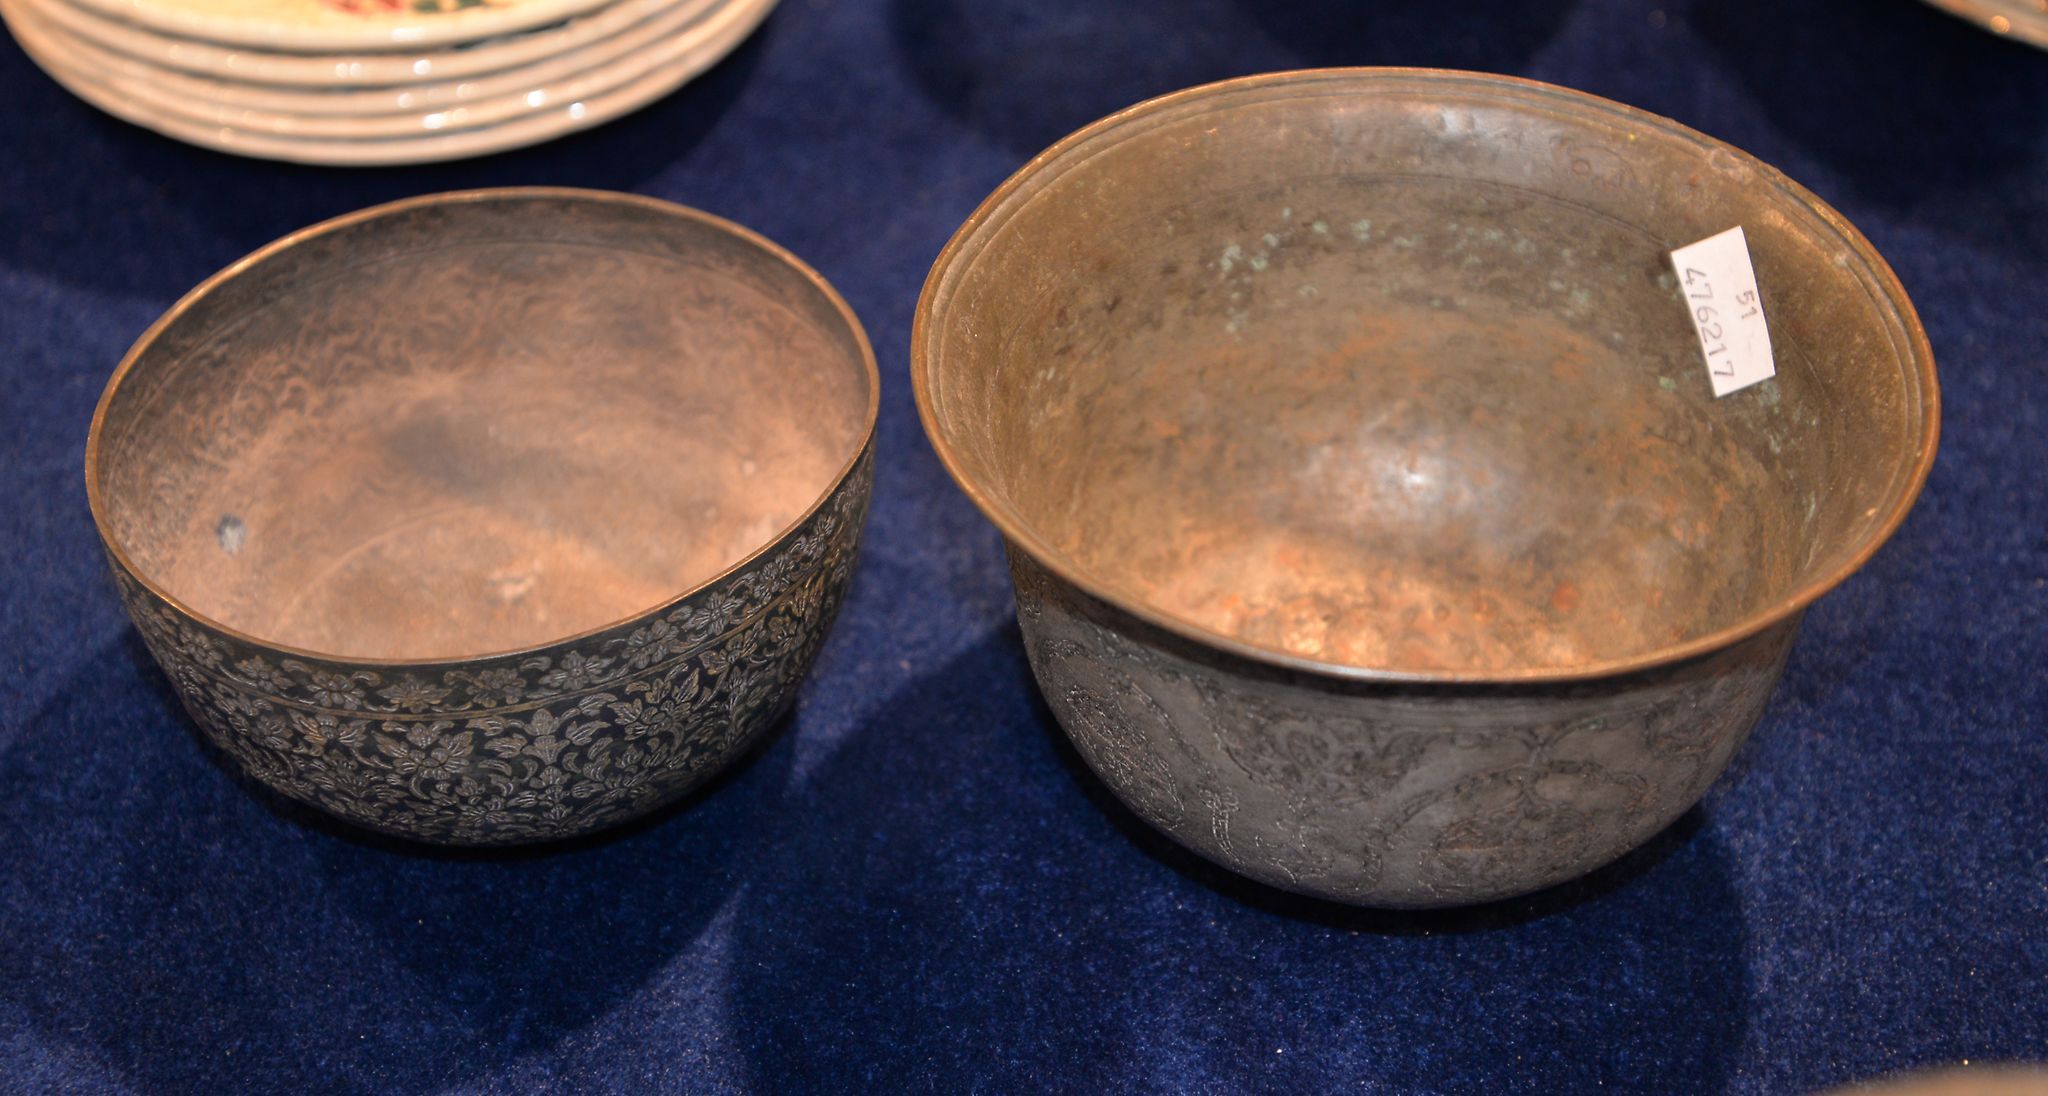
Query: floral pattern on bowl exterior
x,y
1391,795
534,746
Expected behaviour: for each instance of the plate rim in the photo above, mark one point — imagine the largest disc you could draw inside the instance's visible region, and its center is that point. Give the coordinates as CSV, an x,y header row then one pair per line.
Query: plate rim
x,y
407,30
383,101
550,124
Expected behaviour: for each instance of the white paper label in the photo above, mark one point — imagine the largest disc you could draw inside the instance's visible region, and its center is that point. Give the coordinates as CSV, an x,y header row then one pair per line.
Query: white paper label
x,y
1720,288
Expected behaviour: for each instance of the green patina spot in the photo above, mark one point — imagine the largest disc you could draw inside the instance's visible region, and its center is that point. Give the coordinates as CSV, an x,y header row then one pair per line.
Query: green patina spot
x,y
1667,384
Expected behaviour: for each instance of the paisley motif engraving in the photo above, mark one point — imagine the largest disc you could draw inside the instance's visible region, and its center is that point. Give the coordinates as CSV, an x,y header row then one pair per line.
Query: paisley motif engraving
x,y
1318,760
1673,728
1549,818
524,747
1385,794
1107,722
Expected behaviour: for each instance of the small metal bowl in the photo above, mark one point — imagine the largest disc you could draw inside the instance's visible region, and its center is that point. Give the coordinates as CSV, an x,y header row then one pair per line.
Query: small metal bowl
x,y
1376,531
490,517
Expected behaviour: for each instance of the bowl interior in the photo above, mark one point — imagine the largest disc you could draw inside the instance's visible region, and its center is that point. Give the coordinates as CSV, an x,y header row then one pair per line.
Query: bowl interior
x,y
1392,372
454,428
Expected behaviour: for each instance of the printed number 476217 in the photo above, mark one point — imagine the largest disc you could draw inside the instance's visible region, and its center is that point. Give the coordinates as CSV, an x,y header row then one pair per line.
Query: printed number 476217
x,y
1698,288
1720,289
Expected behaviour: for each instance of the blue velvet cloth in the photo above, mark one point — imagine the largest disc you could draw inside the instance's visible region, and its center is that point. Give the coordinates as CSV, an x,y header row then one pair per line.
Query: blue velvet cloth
x,y
916,885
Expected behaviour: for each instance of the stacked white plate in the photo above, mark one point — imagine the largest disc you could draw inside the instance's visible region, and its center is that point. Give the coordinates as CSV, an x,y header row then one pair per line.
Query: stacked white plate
x,y
375,81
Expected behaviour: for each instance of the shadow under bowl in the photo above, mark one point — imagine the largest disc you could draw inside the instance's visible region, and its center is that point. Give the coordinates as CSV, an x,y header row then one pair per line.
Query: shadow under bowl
x,y
490,517
1377,531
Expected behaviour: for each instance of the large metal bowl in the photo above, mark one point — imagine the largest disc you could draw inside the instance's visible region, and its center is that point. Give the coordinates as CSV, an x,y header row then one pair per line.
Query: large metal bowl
x,y
1377,533
2026,20
490,517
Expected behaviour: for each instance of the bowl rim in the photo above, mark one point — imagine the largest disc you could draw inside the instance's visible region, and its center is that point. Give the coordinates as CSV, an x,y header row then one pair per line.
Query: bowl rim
x,y
2020,22
860,450
1918,359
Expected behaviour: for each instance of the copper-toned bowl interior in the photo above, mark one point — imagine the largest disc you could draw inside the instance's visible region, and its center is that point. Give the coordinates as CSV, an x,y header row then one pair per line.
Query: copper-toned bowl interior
x,y
1389,372
476,424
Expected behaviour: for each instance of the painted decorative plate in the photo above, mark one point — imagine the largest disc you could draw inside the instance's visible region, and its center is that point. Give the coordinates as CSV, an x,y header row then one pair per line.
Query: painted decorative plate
x,y
326,26
681,58
174,88
355,69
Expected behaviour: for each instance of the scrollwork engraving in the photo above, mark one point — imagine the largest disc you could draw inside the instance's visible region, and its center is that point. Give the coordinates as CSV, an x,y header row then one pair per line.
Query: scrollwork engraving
x,y
524,747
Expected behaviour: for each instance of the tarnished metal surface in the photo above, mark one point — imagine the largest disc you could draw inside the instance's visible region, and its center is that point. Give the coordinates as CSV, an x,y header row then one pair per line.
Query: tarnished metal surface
x,y
2026,20
1384,377
490,517
1417,795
